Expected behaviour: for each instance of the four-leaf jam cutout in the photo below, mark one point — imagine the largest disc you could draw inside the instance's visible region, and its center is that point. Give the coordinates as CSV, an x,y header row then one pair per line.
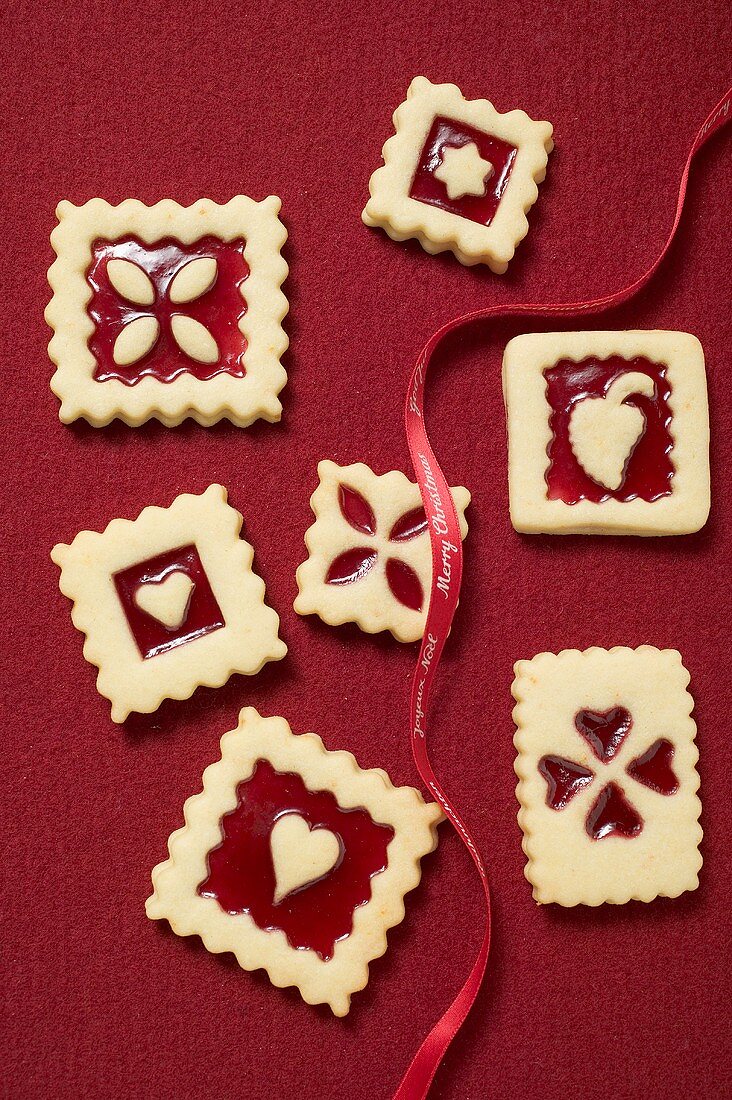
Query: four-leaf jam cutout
x,y
369,556
168,311
165,309
355,563
612,813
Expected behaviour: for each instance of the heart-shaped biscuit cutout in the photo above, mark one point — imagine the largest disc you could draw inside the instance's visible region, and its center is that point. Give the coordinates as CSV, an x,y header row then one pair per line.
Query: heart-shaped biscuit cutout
x,y
603,432
301,855
167,600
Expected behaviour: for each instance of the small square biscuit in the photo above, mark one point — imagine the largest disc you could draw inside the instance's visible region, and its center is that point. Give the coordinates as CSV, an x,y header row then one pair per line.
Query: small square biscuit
x,y
294,859
458,175
168,602
369,554
167,311
608,433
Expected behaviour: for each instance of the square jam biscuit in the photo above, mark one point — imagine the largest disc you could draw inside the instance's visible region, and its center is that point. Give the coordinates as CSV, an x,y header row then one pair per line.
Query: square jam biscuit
x,y
607,775
608,433
369,553
168,602
459,176
168,311
294,859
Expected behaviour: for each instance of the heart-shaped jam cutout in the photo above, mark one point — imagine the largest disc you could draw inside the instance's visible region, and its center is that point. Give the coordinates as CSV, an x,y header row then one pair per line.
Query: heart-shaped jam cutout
x,y
653,768
564,779
612,815
167,600
301,855
604,731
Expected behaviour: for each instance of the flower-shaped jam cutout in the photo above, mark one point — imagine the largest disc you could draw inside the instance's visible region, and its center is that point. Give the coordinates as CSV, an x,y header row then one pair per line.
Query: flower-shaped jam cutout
x,y
463,170
354,563
612,813
645,468
165,309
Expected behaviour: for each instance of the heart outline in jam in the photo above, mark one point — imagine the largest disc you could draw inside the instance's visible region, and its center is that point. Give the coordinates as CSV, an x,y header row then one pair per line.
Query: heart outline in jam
x,y
653,768
202,614
241,875
564,779
612,814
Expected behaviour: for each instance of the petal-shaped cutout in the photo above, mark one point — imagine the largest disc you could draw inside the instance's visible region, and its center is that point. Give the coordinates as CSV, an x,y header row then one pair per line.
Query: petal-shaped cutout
x,y
613,815
356,510
409,526
194,339
135,341
351,566
131,282
653,769
404,583
193,280
564,779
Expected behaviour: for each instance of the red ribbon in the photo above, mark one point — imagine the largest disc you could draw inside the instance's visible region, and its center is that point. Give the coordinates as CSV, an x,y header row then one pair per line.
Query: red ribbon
x,y
447,569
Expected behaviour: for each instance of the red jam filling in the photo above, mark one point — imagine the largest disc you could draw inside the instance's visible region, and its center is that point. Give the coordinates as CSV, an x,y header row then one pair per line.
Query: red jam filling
x,y
612,815
351,565
604,731
653,769
447,133
219,309
564,779
404,583
241,875
202,616
356,510
649,469
409,526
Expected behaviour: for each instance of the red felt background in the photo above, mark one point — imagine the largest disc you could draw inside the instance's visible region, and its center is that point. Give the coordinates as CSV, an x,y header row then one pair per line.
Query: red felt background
x,y
183,100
